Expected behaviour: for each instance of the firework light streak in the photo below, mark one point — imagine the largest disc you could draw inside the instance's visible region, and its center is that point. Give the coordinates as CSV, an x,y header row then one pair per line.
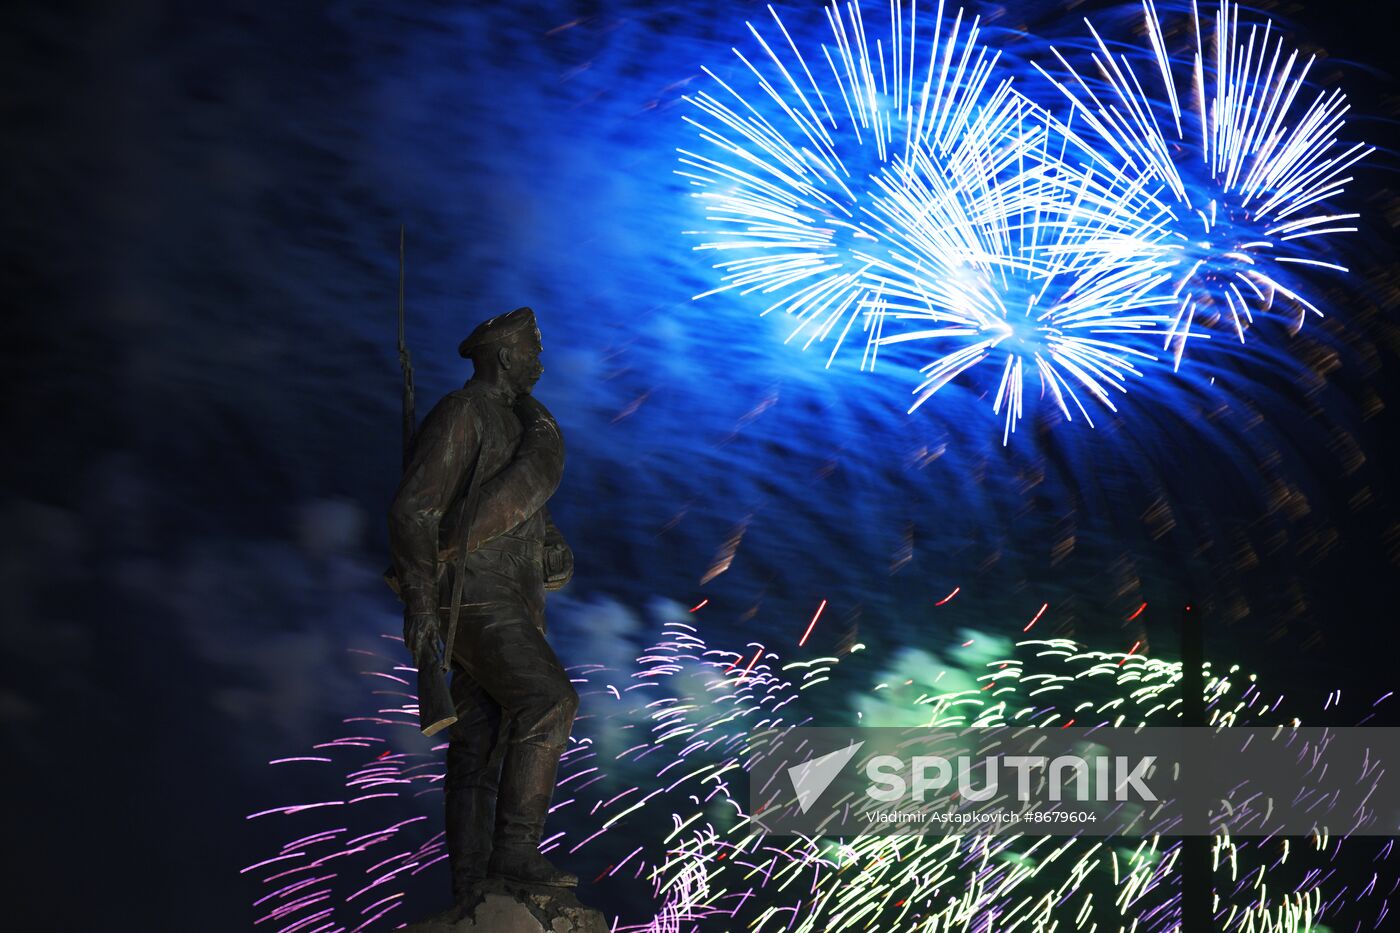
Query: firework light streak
x,y
649,794
1248,155
961,882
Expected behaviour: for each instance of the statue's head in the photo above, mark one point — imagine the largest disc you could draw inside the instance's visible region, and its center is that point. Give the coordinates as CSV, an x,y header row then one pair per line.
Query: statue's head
x,y
506,349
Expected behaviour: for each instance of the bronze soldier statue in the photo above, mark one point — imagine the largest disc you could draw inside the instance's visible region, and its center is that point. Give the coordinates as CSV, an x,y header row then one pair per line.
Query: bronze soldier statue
x,y
493,444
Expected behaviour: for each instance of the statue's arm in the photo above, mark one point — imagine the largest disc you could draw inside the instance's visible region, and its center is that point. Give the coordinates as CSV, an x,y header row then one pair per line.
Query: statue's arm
x,y
443,449
527,482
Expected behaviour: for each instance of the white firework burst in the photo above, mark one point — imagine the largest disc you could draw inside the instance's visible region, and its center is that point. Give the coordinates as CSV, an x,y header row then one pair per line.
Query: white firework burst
x,y
1248,155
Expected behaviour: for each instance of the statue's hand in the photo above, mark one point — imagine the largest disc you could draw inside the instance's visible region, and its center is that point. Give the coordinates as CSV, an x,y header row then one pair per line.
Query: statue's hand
x,y
541,440
531,411
420,628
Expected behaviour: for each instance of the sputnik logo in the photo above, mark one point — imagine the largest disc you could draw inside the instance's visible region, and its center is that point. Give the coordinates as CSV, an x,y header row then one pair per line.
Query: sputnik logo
x,y
811,778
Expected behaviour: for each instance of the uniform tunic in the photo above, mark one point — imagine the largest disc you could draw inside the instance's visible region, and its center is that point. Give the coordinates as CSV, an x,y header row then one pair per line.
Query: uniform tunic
x,y
500,656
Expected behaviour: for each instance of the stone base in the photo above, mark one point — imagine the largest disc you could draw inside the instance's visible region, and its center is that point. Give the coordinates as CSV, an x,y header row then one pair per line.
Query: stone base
x,y
501,906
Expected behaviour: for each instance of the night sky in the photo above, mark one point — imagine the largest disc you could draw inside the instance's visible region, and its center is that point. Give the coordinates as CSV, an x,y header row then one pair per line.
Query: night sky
x,y
202,203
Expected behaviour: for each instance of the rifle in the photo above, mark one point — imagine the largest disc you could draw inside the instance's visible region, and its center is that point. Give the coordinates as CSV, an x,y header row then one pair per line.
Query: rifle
x,y
410,419
436,710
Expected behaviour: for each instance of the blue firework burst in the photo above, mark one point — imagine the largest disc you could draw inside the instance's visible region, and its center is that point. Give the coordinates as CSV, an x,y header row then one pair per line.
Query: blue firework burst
x,y
1247,155
790,143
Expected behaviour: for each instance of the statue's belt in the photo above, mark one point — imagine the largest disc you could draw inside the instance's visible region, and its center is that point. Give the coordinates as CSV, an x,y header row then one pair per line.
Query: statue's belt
x,y
506,544
531,549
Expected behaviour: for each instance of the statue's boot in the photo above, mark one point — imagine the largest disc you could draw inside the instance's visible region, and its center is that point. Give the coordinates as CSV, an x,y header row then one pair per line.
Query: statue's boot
x,y
527,786
471,816
474,753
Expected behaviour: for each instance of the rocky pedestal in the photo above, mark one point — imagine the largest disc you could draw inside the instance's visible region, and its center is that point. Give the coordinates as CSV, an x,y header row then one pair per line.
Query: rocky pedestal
x,y
505,907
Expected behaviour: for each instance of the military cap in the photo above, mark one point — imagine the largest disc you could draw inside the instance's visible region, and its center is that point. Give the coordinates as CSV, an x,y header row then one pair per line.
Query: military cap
x,y
497,329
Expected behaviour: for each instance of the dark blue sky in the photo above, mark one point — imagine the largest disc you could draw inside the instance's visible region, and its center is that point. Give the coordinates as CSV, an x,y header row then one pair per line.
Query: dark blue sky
x,y
200,400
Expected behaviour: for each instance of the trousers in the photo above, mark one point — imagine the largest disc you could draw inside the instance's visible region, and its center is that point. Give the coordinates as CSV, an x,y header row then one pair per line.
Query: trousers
x,y
515,711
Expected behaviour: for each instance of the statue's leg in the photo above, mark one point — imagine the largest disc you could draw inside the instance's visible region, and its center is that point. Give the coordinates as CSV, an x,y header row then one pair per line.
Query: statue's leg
x,y
474,753
512,661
